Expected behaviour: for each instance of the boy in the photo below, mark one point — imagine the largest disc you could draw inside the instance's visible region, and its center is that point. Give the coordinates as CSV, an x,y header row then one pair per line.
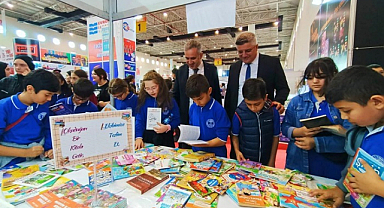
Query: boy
x,y
24,125
256,125
358,93
79,101
207,113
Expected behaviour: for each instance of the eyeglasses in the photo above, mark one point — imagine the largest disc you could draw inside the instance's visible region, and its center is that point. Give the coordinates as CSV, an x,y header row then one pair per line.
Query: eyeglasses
x,y
120,96
151,88
321,76
80,98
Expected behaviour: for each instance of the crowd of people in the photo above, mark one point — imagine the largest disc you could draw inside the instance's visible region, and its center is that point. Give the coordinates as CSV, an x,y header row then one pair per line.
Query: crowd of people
x,y
353,100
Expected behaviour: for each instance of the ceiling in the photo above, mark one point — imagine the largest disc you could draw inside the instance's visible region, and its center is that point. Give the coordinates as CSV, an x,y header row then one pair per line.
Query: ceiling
x,y
263,13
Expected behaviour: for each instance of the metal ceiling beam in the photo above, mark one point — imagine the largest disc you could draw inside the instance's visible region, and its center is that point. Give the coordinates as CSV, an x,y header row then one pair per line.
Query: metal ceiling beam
x,y
87,7
64,17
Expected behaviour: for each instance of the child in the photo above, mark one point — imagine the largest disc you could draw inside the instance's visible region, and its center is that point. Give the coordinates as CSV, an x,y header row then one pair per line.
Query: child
x,y
207,113
358,92
24,125
123,94
154,94
308,152
255,125
78,74
79,101
65,90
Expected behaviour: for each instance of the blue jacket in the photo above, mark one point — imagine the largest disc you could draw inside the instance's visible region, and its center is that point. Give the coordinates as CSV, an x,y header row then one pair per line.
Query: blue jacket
x,y
213,122
129,102
83,108
301,107
168,116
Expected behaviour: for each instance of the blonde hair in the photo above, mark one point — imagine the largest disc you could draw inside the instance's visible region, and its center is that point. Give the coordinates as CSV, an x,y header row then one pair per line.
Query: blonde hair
x,y
192,44
246,37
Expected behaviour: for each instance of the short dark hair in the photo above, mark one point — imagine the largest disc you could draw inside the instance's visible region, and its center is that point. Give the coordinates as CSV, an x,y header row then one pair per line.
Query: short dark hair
x,y
168,82
69,72
101,73
355,84
41,79
80,73
83,88
254,89
196,84
371,66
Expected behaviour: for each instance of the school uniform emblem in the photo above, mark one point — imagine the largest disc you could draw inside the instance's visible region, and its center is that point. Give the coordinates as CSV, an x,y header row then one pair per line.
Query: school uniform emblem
x,y
210,123
42,115
166,111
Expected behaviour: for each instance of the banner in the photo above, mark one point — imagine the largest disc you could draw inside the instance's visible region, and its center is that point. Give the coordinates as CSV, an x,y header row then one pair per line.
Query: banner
x,y
79,60
29,47
56,57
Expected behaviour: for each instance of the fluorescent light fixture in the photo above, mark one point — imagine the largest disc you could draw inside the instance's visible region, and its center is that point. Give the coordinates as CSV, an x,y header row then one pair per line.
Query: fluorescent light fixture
x,y
21,33
71,44
153,62
71,34
41,38
142,59
56,41
157,63
83,47
147,61
10,5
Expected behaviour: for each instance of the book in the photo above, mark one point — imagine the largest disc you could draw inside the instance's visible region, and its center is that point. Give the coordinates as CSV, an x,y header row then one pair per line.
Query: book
x,y
232,193
173,198
11,175
248,194
171,182
216,166
157,174
190,135
126,159
145,182
36,179
363,199
249,166
317,121
197,201
202,166
199,188
224,168
153,117
235,176
60,109
215,184
125,171
191,176
275,175
108,107
196,156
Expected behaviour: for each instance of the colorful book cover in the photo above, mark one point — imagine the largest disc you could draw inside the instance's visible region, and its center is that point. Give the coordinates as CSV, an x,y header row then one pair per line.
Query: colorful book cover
x,y
60,109
36,179
363,199
216,166
172,181
191,176
144,182
171,170
174,198
197,201
225,168
199,188
248,194
126,171
157,174
249,166
202,166
196,156
103,176
275,175
162,163
11,175
126,159
150,158
235,176
215,184
232,193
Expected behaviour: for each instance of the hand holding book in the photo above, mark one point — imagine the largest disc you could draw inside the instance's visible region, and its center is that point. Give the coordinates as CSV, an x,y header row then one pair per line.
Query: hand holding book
x,y
306,132
335,129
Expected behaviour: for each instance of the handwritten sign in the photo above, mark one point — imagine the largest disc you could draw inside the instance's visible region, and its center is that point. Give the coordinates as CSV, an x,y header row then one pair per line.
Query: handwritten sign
x,y
89,137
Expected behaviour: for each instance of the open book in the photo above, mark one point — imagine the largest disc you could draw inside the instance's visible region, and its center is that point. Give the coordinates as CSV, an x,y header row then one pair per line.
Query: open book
x,y
190,135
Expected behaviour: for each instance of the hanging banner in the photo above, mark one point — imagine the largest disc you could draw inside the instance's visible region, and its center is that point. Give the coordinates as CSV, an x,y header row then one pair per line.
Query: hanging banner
x,y
57,57
79,60
28,47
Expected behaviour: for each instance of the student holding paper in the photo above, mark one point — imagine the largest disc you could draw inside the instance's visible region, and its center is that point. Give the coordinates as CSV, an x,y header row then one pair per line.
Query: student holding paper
x,y
157,114
209,115
317,155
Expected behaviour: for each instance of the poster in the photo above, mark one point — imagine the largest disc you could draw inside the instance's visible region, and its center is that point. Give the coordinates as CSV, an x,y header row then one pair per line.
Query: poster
x,y
329,32
79,60
90,137
29,47
57,57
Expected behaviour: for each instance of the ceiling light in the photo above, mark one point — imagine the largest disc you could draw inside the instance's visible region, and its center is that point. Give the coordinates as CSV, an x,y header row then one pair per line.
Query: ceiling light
x,y
146,42
226,54
20,33
240,28
139,17
83,47
147,61
168,39
161,52
56,41
277,40
142,59
153,62
41,38
162,64
214,46
216,32
165,14
276,23
157,63
234,60
196,35
71,34
2,47
71,44
10,5
231,46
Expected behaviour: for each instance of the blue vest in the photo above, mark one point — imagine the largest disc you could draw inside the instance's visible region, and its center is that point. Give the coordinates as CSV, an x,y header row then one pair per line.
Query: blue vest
x,y
256,133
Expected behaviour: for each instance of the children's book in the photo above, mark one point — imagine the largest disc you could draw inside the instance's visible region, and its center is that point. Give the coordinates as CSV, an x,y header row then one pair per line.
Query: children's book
x,y
147,159
190,135
249,166
199,188
363,199
203,165
157,174
171,182
216,166
36,179
269,193
174,198
145,182
316,121
162,163
275,175
197,201
125,159
103,176
215,184
60,109
153,117
232,193
191,176
248,194
175,170
225,168
196,156
108,107
11,175
235,176
125,171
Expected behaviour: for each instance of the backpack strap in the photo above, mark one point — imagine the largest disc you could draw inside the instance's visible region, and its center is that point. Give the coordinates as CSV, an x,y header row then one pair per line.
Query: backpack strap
x,y
10,126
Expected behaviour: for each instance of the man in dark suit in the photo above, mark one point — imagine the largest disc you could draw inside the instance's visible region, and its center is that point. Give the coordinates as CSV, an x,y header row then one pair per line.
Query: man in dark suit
x,y
254,65
195,65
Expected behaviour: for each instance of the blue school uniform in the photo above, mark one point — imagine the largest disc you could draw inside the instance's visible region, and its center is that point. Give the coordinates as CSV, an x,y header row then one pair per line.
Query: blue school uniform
x,y
83,108
129,102
213,122
168,116
33,130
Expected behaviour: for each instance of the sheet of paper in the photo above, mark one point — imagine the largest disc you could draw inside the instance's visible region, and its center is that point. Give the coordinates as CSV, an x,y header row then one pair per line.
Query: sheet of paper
x,y
153,116
190,134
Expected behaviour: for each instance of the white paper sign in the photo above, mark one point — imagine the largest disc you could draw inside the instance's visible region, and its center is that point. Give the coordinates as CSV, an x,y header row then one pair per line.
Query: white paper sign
x,y
153,116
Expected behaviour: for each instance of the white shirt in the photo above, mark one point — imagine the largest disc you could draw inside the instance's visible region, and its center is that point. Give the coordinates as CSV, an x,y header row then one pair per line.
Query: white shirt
x,y
191,72
254,69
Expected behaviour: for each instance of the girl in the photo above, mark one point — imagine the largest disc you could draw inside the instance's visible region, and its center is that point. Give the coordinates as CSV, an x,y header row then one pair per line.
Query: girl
x,y
123,94
99,75
154,94
308,151
5,70
65,90
76,75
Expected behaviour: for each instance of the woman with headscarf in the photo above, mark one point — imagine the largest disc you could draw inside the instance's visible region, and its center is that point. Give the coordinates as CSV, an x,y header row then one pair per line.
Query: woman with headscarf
x,y
5,71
